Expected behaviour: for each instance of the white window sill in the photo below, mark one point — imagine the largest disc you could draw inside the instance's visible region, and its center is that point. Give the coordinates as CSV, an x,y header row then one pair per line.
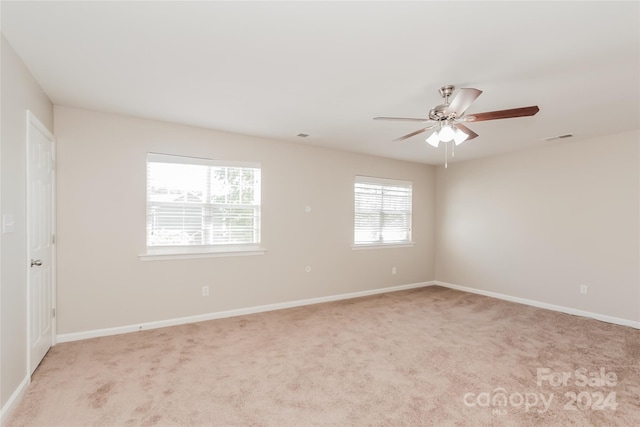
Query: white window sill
x,y
158,254
381,246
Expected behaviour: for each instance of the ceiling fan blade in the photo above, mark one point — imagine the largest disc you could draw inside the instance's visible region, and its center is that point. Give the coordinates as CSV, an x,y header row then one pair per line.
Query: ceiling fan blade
x,y
463,99
415,133
401,119
503,114
471,134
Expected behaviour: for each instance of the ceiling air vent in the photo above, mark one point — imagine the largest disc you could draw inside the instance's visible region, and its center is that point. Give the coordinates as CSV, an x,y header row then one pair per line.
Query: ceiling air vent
x,y
303,135
554,138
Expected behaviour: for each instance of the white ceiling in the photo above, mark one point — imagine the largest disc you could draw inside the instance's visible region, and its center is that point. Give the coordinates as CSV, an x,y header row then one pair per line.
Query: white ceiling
x,y
275,69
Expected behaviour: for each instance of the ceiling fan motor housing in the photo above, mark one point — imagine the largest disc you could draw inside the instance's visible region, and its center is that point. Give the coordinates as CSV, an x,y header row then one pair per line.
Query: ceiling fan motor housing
x,y
437,113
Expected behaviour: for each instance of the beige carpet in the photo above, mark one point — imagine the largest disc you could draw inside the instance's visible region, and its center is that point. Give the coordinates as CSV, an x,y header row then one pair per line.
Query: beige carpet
x,y
424,357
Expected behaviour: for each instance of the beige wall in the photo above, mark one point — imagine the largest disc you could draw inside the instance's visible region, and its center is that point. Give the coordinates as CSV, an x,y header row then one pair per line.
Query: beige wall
x,y
537,224
101,225
19,93
533,224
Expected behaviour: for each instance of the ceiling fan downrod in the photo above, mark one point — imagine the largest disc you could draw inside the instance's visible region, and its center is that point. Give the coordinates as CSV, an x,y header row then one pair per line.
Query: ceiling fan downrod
x,y
446,91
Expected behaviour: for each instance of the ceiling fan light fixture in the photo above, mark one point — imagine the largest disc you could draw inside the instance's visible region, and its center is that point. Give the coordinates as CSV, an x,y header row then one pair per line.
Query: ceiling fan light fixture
x,y
433,139
449,117
446,133
459,137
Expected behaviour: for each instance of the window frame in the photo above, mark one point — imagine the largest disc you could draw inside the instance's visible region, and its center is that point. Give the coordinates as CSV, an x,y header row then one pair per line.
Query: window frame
x,y
389,183
222,249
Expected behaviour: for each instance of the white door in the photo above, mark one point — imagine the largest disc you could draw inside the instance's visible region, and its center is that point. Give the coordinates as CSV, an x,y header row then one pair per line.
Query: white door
x,y
40,240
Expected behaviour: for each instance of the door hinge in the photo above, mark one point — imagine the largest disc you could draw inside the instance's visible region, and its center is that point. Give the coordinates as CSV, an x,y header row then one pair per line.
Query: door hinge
x,y
53,239
53,312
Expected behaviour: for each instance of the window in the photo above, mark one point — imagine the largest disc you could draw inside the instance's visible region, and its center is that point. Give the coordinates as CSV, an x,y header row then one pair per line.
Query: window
x,y
382,211
200,205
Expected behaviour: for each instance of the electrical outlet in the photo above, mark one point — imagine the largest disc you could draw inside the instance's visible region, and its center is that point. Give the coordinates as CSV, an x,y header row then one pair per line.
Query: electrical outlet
x,y
8,223
393,270
584,289
205,291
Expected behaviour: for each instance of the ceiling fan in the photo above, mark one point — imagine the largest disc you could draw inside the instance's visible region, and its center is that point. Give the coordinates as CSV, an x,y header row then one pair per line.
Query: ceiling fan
x,y
447,118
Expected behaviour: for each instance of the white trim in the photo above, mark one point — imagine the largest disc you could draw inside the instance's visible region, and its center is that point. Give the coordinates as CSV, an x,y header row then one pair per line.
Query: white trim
x,y
298,303
14,400
533,303
32,118
230,313
159,255
368,246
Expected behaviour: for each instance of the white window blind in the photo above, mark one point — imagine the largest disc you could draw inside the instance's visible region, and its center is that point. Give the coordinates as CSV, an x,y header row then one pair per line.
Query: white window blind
x,y
382,211
201,202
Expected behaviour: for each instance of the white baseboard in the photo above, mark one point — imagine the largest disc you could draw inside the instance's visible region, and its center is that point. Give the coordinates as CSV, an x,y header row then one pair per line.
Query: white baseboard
x,y
562,309
298,303
229,313
13,401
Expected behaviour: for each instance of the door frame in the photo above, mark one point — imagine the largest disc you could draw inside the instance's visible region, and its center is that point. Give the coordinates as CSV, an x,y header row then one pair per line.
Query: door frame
x,y
32,119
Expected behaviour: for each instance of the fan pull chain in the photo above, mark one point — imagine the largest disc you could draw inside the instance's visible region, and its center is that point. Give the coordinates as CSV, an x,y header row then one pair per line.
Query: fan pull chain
x,y
453,149
446,155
